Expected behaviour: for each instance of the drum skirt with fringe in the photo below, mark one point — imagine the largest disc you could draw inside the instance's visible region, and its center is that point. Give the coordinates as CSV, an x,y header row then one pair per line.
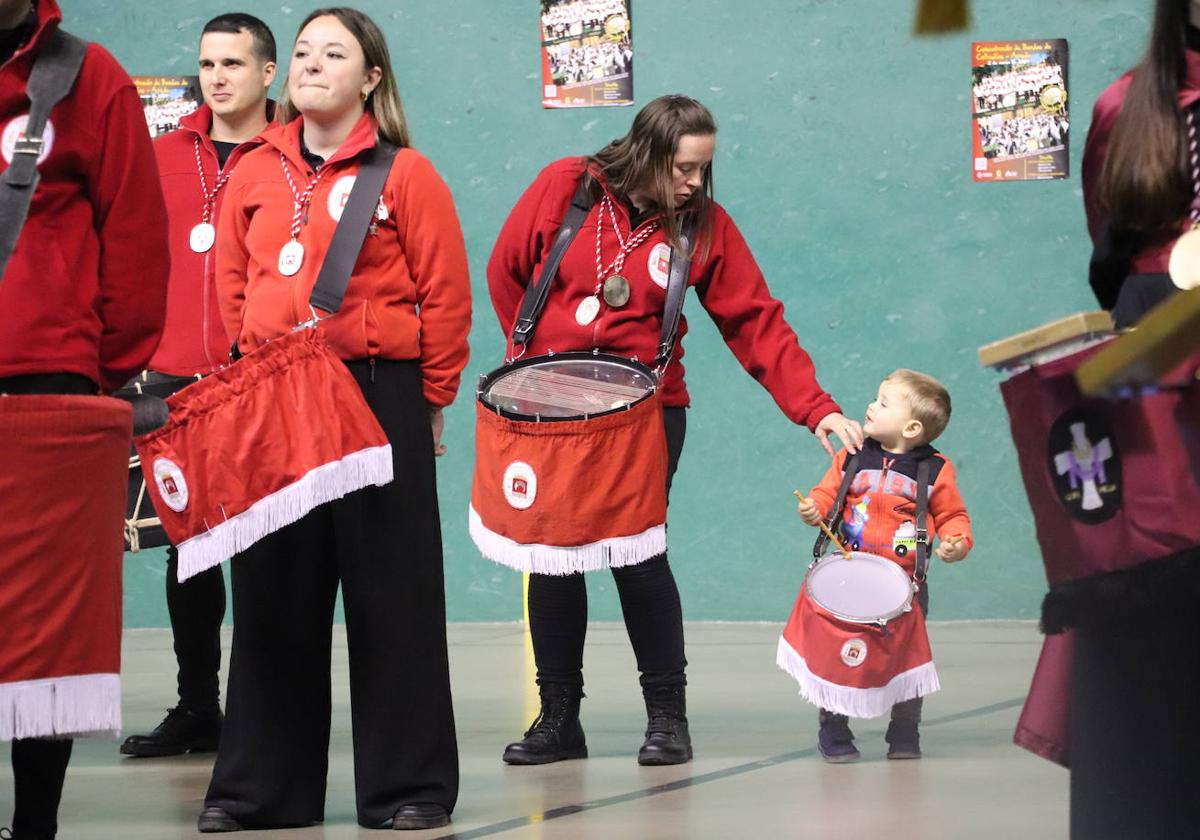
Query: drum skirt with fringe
x,y
860,670
570,496
62,493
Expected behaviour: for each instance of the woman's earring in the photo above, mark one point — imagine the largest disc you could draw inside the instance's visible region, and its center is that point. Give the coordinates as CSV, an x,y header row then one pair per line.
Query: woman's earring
x,y
365,94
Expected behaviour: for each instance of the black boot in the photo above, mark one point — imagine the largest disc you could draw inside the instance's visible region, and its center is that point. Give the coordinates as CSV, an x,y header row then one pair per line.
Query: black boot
x,y
556,734
667,739
181,731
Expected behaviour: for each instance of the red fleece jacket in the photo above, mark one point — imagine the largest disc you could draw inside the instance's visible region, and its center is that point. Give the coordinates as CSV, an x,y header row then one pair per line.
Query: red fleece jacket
x,y
409,295
85,290
728,282
194,340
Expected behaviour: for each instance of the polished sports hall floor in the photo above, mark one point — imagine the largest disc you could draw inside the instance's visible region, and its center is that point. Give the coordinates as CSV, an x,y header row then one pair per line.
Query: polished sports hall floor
x,y
756,775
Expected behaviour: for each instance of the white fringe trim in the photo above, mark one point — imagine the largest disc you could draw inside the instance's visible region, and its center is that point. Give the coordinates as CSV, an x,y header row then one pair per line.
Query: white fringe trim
x,y
856,702
89,704
283,507
559,560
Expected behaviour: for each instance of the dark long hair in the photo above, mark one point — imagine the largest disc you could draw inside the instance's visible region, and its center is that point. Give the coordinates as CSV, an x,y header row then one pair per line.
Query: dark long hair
x,y
1145,183
643,158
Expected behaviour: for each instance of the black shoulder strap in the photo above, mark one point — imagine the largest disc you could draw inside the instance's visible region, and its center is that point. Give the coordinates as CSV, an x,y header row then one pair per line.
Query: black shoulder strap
x,y
536,293
54,72
351,230
677,275
922,510
834,519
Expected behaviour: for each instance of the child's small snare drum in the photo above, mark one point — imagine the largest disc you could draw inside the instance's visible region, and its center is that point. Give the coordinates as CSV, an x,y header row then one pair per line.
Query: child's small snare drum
x,y
862,589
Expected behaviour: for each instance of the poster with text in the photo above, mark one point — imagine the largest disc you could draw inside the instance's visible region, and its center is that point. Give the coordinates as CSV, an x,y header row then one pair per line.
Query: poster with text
x,y
167,99
587,53
1019,121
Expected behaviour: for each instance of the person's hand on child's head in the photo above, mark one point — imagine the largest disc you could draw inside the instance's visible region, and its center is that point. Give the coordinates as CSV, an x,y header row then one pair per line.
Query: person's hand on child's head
x,y
809,512
952,550
848,431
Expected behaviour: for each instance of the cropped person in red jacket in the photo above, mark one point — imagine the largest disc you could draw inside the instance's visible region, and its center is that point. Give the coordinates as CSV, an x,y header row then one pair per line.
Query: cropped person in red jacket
x,y
237,65
83,297
402,331
647,185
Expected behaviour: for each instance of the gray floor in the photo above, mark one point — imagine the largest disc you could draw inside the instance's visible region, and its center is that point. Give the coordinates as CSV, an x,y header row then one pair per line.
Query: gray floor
x,y
756,773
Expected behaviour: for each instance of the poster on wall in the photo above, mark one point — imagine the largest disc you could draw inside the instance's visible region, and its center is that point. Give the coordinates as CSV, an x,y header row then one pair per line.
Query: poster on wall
x,y
587,53
167,99
1019,119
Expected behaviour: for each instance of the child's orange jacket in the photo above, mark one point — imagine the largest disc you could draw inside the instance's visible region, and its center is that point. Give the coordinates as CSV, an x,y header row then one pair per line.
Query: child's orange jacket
x,y
879,515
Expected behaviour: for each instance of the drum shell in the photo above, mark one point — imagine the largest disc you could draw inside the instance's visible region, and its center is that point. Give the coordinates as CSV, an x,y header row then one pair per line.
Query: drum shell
x,y
597,497
1148,483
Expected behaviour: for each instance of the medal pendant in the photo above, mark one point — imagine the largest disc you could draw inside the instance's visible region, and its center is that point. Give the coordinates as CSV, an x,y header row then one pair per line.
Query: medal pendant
x,y
587,310
202,237
291,257
616,291
1184,264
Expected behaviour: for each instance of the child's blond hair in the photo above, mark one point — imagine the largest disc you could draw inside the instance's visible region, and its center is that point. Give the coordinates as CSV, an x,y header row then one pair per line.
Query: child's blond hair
x,y
928,399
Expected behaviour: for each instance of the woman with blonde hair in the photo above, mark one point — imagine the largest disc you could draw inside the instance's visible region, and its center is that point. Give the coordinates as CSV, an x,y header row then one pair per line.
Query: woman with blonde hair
x,y
402,332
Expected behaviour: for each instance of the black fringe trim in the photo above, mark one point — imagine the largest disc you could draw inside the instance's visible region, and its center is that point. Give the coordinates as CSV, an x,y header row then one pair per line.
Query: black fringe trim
x,y
1164,588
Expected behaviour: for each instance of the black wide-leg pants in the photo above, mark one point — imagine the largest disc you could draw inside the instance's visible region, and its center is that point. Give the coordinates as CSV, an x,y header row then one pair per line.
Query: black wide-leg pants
x,y
383,546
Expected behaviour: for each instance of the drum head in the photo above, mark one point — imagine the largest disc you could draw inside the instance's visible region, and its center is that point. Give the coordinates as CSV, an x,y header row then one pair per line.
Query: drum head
x,y
865,589
568,386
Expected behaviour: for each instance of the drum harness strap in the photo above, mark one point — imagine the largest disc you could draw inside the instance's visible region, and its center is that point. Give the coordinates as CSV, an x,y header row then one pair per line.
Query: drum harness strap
x,y
834,520
54,73
536,293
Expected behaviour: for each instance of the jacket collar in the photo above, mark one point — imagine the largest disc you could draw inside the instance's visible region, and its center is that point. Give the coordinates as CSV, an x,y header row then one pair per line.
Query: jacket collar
x,y
286,138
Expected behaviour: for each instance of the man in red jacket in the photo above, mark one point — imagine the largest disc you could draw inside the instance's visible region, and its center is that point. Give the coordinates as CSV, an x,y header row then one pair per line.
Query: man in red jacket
x,y
83,297
237,65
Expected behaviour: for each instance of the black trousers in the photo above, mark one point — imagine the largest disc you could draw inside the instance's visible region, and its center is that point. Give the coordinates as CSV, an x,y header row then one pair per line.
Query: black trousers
x,y
40,765
1135,731
383,546
196,608
649,603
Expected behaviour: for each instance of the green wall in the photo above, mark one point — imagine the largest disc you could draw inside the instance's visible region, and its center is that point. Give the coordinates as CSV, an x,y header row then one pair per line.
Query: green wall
x,y
844,156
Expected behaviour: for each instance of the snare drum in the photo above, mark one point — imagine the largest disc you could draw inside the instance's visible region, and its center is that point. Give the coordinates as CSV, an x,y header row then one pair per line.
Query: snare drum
x,y
865,589
853,643
570,464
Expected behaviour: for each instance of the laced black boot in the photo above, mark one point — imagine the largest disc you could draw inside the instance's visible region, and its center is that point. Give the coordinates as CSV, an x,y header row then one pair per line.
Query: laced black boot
x,y
556,734
667,739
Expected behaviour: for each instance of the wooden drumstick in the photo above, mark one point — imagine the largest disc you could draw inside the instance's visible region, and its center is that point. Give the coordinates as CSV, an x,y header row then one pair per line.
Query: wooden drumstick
x,y
832,536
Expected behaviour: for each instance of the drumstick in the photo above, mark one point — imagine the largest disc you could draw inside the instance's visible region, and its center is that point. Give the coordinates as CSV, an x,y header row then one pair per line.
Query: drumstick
x,y
845,551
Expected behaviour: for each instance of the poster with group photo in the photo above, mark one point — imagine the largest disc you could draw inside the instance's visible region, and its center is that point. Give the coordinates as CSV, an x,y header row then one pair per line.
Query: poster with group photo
x,y
167,99
587,53
1019,121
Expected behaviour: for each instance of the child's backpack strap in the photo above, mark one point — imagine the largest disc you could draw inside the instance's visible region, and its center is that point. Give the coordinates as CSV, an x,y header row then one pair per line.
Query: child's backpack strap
x,y
922,509
834,519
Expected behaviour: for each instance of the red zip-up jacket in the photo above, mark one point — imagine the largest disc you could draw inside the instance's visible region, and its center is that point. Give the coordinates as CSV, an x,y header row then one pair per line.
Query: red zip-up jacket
x,y
85,290
409,295
879,514
194,339
727,281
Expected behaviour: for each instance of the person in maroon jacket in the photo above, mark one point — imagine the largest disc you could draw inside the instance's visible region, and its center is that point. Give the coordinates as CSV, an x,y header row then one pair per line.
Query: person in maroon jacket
x,y
237,65
647,185
1134,732
83,297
